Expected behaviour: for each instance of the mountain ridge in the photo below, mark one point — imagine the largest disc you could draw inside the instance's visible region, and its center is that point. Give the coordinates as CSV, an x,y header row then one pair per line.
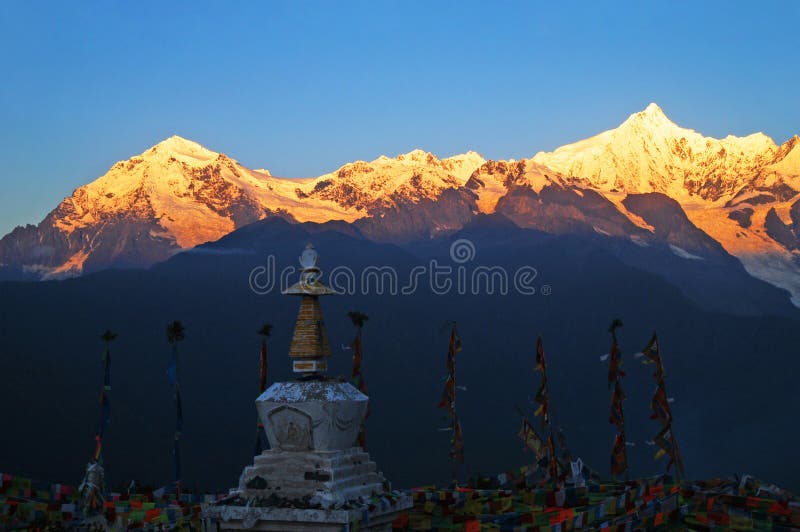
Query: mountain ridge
x,y
741,191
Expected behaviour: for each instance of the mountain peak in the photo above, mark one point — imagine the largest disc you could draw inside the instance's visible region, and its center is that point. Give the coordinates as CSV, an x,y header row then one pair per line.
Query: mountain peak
x,y
653,109
179,148
417,155
651,118
470,155
176,142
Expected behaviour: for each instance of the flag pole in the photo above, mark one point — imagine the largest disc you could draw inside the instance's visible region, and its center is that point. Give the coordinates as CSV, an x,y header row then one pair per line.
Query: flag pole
x,y
264,332
105,404
543,398
359,319
175,334
619,451
662,411
449,401
675,454
454,415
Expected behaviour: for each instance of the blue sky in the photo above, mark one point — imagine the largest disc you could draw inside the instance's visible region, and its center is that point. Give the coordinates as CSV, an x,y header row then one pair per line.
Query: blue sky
x,y
303,87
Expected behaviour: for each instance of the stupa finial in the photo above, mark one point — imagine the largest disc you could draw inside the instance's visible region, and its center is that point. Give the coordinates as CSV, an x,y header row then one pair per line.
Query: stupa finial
x,y
309,283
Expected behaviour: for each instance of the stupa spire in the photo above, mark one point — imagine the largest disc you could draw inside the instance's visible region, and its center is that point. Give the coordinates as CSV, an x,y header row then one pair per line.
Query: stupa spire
x,y
310,348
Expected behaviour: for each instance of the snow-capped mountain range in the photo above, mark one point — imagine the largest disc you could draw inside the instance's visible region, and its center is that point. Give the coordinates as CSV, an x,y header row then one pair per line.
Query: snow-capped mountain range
x,y
741,195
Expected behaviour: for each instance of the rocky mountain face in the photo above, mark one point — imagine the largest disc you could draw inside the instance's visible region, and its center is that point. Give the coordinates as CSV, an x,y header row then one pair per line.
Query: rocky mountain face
x,y
648,181
649,153
739,191
174,195
179,194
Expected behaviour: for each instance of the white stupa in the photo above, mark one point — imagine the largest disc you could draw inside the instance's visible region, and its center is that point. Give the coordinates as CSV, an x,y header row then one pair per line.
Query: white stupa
x,y
313,477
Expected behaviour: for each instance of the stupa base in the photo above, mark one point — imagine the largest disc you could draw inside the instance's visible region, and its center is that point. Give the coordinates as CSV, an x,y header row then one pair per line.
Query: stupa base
x,y
379,519
309,490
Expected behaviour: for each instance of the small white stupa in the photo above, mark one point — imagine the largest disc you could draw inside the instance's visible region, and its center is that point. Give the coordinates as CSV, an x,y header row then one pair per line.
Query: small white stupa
x,y
313,477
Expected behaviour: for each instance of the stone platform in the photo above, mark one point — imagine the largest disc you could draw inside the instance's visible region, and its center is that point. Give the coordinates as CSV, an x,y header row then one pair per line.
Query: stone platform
x,y
323,491
372,518
325,478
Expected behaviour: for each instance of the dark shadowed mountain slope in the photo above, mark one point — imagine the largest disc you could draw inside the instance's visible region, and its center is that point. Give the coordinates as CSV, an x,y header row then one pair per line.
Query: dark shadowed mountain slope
x,y
732,377
712,279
